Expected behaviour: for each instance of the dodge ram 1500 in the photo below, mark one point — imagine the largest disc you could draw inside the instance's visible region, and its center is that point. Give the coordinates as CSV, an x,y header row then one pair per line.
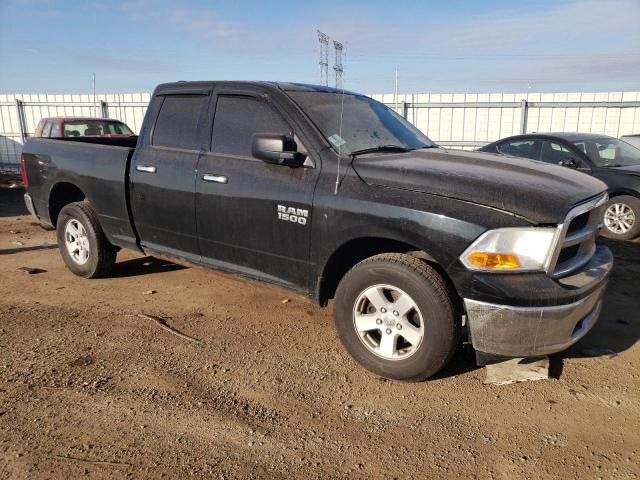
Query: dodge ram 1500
x,y
334,195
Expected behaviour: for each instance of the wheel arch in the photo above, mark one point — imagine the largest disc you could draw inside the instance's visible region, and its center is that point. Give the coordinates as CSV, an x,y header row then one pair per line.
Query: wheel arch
x,y
618,192
62,194
354,251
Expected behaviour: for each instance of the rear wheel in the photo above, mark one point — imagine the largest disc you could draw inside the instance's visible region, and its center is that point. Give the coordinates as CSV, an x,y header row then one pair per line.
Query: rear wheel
x,y
622,218
397,317
82,243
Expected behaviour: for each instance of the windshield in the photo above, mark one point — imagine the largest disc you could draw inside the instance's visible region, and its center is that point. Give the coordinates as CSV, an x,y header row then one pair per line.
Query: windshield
x,y
366,124
632,139
89,128
609,152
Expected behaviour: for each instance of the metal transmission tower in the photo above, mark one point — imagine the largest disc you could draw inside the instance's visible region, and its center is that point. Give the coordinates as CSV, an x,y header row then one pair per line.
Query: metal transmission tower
x,y
337,67
324,58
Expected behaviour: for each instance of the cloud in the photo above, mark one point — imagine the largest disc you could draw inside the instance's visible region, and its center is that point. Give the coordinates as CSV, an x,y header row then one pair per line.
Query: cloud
x,y
574,24
580,44
619,71
564,43
207,29
137,62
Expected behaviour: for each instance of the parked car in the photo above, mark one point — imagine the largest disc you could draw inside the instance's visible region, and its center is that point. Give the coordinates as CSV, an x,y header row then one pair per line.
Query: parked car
x,y
614,161
632,139
334,195
57,127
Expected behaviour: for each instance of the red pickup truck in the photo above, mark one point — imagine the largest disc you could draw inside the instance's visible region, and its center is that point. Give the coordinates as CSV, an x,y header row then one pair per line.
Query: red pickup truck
x,y
57,127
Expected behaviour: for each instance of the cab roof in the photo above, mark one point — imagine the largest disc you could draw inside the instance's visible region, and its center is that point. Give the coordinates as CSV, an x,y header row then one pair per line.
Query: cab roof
x,y
81,119
284,86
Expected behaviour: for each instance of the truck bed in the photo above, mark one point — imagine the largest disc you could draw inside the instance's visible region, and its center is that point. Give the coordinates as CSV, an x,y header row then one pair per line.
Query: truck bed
x,y
98,167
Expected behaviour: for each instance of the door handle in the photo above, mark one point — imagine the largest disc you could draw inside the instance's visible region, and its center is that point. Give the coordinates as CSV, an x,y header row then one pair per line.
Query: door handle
x,y
146,169
215,178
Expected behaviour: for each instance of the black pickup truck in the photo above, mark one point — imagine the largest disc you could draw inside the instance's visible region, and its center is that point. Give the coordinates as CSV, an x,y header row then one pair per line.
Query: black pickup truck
x,y
334,195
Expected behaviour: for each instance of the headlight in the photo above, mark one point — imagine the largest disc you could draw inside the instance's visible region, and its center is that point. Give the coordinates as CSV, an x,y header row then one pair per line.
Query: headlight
x,y
512,250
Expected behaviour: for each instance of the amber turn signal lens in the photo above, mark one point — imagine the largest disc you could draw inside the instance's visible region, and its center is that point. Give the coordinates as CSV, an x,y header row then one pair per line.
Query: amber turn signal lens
x,y
493,261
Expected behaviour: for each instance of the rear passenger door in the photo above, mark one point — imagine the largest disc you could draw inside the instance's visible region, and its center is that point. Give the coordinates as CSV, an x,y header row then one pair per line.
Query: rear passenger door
x,y
239,197
163,176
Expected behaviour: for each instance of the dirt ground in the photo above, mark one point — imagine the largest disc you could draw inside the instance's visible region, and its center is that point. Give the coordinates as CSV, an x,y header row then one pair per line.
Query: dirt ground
x,y
88,388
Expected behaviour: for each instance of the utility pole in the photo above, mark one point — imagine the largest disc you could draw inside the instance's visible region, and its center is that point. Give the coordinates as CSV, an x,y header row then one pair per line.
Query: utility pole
x,y
324,58
95,105
396,91
337,67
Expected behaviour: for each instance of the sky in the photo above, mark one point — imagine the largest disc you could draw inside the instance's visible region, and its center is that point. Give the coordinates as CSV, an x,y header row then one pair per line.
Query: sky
x,y
54,46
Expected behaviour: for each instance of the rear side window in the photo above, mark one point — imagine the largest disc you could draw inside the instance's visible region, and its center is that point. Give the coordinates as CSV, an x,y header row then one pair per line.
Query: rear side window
x,y
55,130
39,128
519,148
178,123
46,131
237,119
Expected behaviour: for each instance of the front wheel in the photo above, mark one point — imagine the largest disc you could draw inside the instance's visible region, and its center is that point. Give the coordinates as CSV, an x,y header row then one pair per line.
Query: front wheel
x,y
397,317
82,243
622,218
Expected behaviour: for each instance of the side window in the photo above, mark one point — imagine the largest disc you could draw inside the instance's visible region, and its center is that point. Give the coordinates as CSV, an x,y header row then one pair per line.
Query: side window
x,y
237,119
519,148
552,152
46,131
178,121
607,151
39,128
55,130
74,129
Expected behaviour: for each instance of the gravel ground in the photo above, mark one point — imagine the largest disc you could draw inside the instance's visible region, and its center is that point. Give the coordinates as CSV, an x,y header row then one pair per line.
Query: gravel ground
x,y
88,387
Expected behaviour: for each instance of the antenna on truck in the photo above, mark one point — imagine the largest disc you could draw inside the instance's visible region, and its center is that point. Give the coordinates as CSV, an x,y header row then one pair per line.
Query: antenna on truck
x,y
341,77
340,145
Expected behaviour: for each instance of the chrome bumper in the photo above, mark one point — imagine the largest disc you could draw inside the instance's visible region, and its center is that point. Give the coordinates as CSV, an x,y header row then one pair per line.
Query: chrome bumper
x,y
29,203
530,331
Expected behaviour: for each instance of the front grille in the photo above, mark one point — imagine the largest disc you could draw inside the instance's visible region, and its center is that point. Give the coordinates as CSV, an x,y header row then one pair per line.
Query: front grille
x,y
577,237
567,253
579,222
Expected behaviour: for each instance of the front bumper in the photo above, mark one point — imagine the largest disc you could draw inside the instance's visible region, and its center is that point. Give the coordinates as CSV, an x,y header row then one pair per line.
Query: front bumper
x,y
519,331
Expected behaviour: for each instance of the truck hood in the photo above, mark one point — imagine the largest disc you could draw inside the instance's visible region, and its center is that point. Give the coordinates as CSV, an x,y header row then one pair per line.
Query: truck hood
x,y
539,192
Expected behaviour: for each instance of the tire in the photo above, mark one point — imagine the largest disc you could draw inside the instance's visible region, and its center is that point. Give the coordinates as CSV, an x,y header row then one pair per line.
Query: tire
x,y
621,219
82,243
407,284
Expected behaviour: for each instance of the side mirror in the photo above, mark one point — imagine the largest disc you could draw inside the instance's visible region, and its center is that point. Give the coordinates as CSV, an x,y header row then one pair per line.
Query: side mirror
x,y
277,149
568,162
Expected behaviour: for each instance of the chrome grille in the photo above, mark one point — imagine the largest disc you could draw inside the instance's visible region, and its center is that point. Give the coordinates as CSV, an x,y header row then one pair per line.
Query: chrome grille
x,y
577,236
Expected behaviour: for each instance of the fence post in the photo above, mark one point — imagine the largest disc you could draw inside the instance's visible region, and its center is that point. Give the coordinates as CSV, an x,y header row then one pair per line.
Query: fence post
x,y
405,110
524,106
22,124
104,106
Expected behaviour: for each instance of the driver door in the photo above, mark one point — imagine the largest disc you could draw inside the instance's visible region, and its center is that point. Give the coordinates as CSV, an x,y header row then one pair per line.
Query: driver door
x,y
557,154
239,198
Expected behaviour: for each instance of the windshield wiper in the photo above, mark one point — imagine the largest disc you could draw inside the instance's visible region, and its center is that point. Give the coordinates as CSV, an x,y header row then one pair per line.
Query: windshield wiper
x,y
424,146
380,148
